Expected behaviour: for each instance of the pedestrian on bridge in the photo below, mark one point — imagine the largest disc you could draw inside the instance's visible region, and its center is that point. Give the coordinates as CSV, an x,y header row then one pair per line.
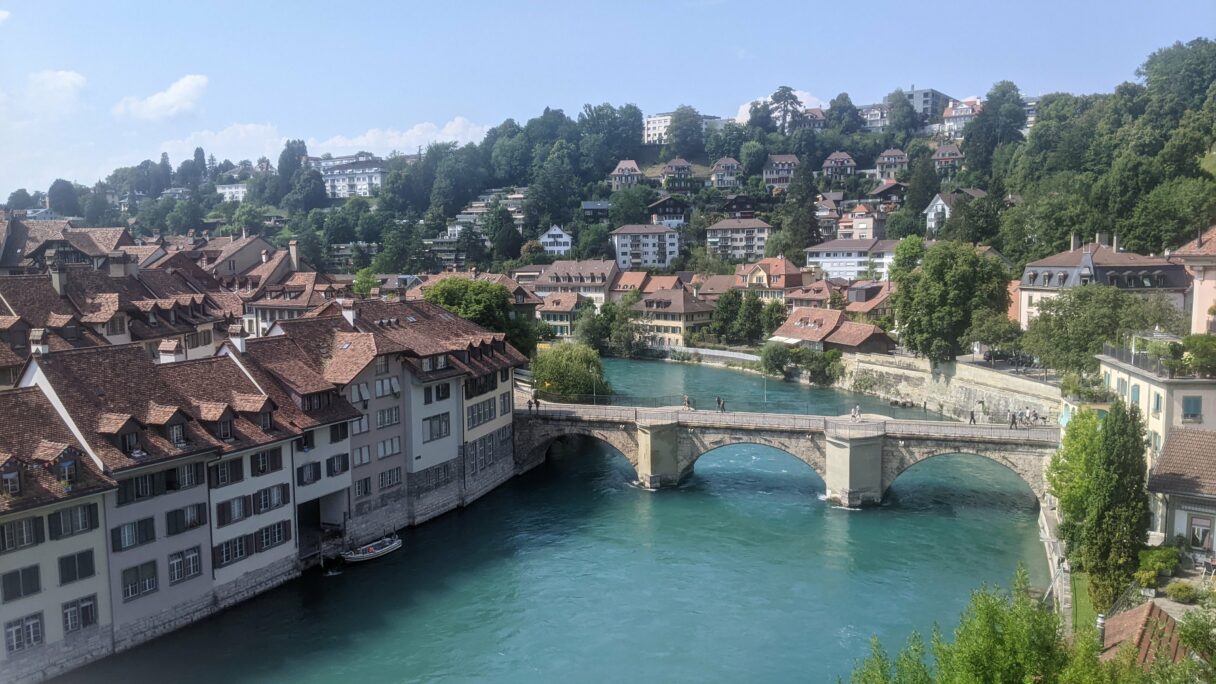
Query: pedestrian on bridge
x,y
972,421
1013,420
722,406
529,406
719,401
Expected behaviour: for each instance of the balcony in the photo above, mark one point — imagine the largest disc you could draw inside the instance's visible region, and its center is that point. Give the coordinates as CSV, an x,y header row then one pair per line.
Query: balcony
x,y
1159,366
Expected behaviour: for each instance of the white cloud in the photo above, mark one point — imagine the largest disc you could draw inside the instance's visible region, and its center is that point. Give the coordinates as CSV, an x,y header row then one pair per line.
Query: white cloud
x,y
808,100
181,97
236,142
53,91
385,140
4,14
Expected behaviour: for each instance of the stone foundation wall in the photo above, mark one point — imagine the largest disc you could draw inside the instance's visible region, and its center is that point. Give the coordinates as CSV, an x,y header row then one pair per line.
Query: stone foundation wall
x,y
51,660
253,583
152,626
486,480
953,389
385,513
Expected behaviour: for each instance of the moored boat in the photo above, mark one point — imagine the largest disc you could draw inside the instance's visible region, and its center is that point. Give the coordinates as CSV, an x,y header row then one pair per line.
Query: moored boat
x,y
376,549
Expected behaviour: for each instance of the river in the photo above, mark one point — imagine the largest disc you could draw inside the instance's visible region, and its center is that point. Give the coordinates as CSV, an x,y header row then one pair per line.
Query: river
x,y
571,573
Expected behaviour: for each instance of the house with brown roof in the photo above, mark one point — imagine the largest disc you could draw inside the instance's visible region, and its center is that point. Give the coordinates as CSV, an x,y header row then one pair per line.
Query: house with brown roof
x,y
816,295
1147,630
770,278
592,278
1183,478
558,312
36,318
1199,256
1101,261
861,223
959,113
677,176
666,317
711,287
626,282
891,162
625,175
869,299
739,206
943,204
523,301
738,239
725,174
53,542
25,243
826,329
671,211
947,160
779,170
815,118
839,165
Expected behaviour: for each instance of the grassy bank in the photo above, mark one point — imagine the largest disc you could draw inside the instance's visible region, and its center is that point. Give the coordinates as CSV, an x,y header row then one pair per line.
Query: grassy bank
x,y
1082,609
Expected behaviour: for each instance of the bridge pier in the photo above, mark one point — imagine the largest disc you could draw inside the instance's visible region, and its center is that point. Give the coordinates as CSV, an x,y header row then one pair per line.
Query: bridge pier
x,y
854,470
658,455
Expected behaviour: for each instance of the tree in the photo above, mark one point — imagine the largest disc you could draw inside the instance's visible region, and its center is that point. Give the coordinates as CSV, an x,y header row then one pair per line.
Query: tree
x,y
903,223
62,198
786,108
630,205
902,118
760,116
1069,475
291,160
974,221
593,242
726,311
307,192
1169,215
772,316
570,370
365,280
484,303
500,227
935,302
752,157
799,209
999,122
249,218
923,184
554,189
836,300
749,326
19,199
774,357
686,134
1117,516
908,254
1070,328
843,116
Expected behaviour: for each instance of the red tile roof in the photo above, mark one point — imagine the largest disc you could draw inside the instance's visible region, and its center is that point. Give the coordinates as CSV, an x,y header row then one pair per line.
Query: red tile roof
x,y
810,324
1186,466
1202,246
1148,630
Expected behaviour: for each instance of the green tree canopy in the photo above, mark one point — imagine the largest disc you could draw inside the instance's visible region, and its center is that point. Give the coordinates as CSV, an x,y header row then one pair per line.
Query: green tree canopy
x,y
365,280
686,134
1069,475
63,199
569,369
748,327
484,303
20,199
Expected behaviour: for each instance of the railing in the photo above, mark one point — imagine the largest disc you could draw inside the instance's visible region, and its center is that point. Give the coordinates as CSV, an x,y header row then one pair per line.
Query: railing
x,y
914,428
1141,359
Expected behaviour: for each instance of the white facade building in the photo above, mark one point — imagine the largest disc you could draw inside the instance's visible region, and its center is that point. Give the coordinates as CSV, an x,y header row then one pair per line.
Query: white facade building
x,y
363,178
556,241
853,259
234,192
642,246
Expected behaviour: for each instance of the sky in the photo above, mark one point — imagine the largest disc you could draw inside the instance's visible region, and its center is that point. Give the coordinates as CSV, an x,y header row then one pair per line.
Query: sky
x,y
87,87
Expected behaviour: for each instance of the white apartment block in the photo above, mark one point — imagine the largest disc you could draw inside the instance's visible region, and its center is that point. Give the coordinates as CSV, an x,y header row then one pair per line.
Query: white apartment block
x,y
234,192
738,239
363,178
645,246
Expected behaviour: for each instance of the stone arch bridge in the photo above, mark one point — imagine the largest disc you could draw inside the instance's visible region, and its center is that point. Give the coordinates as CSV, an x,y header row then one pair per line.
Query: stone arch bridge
x,y
857,459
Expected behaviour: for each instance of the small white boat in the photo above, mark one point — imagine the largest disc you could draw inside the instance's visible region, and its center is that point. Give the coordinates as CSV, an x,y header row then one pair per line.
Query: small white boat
x,y
380,547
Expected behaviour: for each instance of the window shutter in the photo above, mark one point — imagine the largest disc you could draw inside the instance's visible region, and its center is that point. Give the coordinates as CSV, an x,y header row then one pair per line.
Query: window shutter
x,y
84,564
250,540
39,531
345,460
158,483
171,481
202,514
175,521
236,469
213,475
223,515
116,538
92,513
248,502
257,542
32,578
124,492
286,490
217,556
258,503
276,458
67,569
286,530
147,530
54,521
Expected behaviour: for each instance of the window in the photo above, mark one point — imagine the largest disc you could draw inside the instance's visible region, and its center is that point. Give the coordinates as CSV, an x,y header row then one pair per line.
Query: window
x,y
363,487
1135,401
337,464
132,534
76,566
191,340
271,497
312,402
12,482
306,441
388,447
427,395
1192,409
504,375
390,478
360,392
20,534
67,470
204,337
385,386
443,391
338,432
480,413
1156,403
362,455
187,518
264,462
184,477
504,403
381,365
1201,533
185,565
1122,384
436,427
74,520
388,416
116,325
273,535
79,614
20,583
176,433
308,473
23,633
231,551
129,442
266,420
227,472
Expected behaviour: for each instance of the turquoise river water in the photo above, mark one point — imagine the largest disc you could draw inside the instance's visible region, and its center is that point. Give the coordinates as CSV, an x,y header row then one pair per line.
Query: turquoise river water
x,y
570,573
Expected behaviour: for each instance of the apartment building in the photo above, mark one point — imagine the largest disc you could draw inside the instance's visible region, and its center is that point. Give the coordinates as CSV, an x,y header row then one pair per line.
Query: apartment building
x,y
591,278
740,239
654,128
54,580
947,160
625,175
362,177
839,165
558,312
645,246
769,278
778,171
927,102
1199,256
233,192
677,176
665,317
959,113
853,259
874,117
861,223
892,162
595,211
726,174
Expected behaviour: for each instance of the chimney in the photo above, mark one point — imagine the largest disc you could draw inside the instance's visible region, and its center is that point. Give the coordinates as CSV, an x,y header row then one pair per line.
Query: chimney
x,y
265,255
171,350
1101,630
118,264
1072,242
1114,242
59,273
348,310
236,335
293,251
38,341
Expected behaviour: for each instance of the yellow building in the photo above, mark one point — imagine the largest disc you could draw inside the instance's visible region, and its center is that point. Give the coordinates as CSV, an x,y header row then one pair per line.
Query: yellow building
x,y
666,316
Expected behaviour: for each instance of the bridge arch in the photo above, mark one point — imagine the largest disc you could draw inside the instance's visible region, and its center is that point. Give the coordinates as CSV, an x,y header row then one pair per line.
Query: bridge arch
x,y
805,447
534,438
1027,464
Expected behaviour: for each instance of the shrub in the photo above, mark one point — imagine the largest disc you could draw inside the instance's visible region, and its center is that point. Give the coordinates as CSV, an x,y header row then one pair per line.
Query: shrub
x,y
1146,577
1160,559
1183,592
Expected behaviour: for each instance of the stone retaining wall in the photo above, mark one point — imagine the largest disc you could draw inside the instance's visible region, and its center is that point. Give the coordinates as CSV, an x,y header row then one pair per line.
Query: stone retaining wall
x,y
953,389
53,659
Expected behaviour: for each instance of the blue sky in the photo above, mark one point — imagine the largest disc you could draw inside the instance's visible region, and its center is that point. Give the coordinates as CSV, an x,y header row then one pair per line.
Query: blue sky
x,y
85,87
